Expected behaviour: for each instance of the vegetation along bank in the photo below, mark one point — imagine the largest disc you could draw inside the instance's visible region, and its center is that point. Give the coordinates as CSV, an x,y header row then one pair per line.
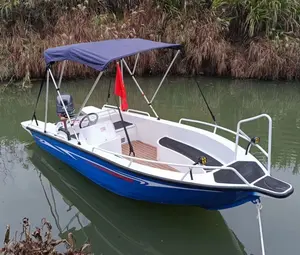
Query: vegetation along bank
x,y
235,38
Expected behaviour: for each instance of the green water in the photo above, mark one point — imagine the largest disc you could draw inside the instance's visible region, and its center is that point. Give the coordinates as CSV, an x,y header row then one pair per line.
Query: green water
x,y
36,185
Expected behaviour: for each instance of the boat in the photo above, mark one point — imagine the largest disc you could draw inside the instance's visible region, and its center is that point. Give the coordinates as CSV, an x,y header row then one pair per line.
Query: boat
x,y
144,157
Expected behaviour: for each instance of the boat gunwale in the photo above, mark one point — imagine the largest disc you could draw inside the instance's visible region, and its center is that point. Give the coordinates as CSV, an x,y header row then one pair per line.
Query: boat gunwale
x,y
236,187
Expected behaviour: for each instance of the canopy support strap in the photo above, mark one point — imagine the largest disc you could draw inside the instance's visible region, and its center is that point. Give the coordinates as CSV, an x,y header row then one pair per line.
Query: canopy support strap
x,y
211,114
64,106
39,94
259,207
140,89
164,77
108,92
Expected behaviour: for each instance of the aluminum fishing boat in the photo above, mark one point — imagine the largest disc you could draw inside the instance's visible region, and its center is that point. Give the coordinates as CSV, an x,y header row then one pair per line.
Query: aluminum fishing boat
x,y
144,157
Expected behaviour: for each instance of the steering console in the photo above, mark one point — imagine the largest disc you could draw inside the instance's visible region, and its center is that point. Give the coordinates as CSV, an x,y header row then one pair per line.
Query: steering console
x,y
88,120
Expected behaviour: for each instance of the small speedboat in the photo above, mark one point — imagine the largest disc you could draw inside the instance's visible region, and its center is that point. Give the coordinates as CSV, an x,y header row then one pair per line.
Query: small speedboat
x,y
148,158
144,157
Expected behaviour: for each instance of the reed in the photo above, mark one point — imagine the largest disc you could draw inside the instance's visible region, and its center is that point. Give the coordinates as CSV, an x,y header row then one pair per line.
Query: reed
x,y
40,241
214,43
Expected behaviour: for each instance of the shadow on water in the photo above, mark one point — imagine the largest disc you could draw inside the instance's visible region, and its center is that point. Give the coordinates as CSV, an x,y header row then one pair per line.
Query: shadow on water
x,y
117,225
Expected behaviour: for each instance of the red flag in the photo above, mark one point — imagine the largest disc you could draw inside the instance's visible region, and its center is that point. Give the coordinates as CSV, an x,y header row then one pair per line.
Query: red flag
x,y
120,89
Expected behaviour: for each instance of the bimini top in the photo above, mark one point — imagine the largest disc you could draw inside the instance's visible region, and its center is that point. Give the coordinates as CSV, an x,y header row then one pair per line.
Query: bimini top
x,y
99,54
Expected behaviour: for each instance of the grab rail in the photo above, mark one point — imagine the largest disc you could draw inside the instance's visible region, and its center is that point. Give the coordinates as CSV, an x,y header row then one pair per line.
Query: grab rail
x,y
204,123
219,168
213,125
238,131
129,110
109,106
137,111
242,134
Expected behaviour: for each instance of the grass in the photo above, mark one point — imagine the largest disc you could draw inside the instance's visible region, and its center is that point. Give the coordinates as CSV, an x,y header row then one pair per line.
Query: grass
x,y
236,38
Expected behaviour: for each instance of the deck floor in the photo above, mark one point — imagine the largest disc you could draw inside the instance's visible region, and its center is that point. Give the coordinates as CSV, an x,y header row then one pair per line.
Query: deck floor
x,y
145,151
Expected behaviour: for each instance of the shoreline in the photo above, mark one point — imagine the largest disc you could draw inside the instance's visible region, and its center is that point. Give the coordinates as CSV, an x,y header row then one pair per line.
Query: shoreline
x,y
22,84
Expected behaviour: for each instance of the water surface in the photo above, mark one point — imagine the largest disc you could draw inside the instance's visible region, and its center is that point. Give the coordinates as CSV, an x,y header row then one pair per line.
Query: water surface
x,y
36,185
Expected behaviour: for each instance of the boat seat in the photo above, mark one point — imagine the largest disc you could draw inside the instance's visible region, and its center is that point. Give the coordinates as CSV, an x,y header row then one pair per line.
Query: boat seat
x,y
118,124
273,184
250,170
253,173
188,151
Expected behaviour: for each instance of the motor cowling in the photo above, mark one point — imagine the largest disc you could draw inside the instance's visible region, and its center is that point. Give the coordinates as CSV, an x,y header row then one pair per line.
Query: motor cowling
x,y
68,102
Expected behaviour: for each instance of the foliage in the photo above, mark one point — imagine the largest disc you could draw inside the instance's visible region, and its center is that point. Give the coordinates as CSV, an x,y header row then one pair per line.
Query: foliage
x,y
252,18
42,14
237,38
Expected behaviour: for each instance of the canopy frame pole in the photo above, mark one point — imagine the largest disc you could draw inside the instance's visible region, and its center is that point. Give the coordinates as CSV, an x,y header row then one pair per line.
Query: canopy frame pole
x,y
63,104
165,75
46,101
135,63
140,89
134,67
61,73
88,95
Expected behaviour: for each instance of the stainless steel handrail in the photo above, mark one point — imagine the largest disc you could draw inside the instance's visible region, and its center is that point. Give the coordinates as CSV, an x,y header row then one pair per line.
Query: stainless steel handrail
x,y
242,134
268,155
191,167
219,169
137,111
129,110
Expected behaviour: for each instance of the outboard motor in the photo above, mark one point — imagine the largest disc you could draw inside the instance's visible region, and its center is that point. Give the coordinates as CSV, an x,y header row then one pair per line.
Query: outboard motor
x,y
68,101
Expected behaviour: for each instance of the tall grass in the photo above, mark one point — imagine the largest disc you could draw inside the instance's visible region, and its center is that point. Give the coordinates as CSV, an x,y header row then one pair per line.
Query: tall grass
x,y
250,18
238,38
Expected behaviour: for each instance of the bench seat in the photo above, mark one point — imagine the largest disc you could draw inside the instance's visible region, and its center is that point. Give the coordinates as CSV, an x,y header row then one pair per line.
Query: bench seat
x,y
188,151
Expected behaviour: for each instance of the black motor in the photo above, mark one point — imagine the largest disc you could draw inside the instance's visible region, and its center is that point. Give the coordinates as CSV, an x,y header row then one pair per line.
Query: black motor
x,y
68,101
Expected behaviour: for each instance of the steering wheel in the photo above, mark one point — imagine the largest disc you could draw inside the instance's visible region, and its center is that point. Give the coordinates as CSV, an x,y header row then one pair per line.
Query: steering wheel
x,y
91,120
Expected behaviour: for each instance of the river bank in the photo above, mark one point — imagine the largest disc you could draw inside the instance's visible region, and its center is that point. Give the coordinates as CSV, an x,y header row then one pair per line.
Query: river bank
x,y
215,43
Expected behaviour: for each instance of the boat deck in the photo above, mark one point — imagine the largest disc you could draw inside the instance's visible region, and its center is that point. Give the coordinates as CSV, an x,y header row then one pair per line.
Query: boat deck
x,y
145,151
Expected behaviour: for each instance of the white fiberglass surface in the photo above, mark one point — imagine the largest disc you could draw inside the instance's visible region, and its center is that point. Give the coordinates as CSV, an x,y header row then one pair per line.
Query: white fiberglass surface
x,y
149,131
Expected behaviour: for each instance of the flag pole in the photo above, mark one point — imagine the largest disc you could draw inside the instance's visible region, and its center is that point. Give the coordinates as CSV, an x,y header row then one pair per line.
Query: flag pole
x,y
122,106
122,79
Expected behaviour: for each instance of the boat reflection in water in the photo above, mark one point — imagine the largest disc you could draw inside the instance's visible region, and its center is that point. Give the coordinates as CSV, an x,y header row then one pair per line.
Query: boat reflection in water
x,y
117,225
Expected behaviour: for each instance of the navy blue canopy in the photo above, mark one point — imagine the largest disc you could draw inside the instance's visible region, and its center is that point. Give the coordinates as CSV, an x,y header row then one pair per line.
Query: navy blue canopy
x,y
99,54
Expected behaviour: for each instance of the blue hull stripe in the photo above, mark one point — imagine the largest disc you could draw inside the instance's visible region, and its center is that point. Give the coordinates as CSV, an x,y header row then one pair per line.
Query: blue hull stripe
x,y
138,186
